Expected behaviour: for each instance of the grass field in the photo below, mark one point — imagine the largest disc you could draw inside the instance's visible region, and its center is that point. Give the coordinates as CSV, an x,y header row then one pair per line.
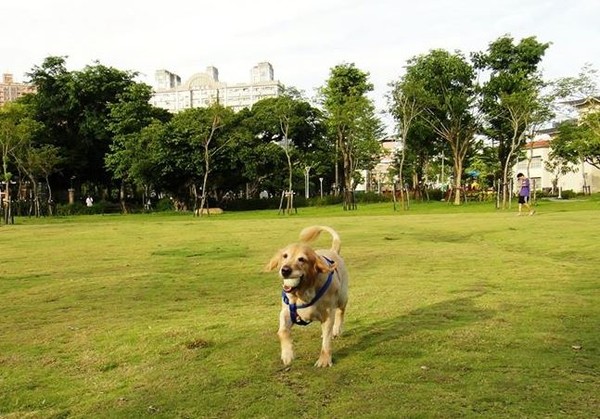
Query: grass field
x,y
454,312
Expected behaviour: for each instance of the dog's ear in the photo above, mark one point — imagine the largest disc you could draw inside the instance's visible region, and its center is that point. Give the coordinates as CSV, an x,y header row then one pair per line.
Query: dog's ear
x,y
273,263
322,266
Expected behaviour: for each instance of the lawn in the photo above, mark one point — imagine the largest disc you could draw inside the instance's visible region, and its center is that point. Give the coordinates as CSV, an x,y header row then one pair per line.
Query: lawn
x,y
453,312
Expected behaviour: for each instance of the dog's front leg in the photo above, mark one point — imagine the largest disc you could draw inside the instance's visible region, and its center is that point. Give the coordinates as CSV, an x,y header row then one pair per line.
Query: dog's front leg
x,y
327,329
285,337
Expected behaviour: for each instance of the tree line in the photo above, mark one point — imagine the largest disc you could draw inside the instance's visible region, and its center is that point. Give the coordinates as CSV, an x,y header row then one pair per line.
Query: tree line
x,y
95,131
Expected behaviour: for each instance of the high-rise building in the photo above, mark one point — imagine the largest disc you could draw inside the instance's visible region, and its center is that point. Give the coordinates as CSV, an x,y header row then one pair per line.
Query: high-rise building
x,y
9,90
203,89
166,80
262,72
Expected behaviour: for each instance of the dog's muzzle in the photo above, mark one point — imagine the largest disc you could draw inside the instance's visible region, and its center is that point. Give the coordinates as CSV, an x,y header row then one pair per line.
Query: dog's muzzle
x,y
289,284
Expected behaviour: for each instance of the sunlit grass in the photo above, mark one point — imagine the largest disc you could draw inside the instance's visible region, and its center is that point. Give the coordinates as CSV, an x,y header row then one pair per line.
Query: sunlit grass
x,y
453,312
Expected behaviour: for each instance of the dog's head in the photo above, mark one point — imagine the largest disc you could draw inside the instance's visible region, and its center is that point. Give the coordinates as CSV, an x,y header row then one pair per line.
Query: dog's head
x,y
298,266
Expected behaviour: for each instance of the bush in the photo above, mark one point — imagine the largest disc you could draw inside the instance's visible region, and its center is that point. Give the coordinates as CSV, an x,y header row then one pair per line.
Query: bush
x,y
435,194
326,200
79,208
164,204
252,204
371,197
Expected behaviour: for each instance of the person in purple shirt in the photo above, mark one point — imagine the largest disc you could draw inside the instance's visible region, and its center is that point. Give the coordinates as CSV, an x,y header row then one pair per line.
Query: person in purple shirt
x,y
524,192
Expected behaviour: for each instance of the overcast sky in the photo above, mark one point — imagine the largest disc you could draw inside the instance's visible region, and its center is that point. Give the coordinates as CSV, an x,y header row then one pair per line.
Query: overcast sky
x,y
302,39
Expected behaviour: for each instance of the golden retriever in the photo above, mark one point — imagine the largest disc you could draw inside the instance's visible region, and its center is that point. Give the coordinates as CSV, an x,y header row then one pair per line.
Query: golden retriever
x,y
315,287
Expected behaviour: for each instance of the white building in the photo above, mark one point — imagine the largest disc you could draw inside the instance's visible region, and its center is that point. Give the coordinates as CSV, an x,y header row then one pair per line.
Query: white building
x,y
203,89
583,177
379,179
534,166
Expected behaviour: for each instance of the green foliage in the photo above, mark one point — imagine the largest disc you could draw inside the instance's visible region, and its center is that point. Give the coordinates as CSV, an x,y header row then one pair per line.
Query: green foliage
x,y
577,141
568,194
79,208
352,123
130,157
435,194
74,107
443,85
512,104
98,127
164,204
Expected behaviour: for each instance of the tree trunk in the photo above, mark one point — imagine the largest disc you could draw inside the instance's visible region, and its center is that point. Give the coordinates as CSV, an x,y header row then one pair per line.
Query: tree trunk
x,y
349,201
203,200
6,204
290,194
50,199
457,180
122,198
505,188
403,198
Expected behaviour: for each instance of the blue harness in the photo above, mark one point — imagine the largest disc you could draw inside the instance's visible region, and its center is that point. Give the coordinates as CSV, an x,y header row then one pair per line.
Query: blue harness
x,y
294,308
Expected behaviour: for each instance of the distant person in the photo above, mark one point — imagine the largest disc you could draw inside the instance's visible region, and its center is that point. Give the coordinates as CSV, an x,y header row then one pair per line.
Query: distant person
x,y
89,201
524,192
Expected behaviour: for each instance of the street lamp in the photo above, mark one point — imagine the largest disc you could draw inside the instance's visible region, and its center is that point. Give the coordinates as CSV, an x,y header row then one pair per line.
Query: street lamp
x,y
321,182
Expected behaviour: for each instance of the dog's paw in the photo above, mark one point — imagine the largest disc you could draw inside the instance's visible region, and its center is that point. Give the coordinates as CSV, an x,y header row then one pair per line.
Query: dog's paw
x,y
287,357
323,362
337,331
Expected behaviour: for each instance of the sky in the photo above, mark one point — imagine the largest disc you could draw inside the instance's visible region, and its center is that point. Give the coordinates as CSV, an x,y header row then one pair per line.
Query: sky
x,y
302,39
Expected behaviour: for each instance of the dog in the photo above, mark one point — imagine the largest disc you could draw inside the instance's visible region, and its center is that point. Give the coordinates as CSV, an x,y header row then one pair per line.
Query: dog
x,y
315,287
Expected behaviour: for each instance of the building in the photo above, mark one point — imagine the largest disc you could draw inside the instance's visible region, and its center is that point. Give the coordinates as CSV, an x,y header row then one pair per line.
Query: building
x,y
205,88
380,178
583,177
9,90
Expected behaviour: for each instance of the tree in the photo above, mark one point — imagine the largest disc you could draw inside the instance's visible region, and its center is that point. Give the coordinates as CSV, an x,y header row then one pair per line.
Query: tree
x,y
352,122
74,110
37,163
16,130
584,85
578,138
189,150
295,126
219,118
128,153
446,92
253,165
577,142
406,109
558,167
512,105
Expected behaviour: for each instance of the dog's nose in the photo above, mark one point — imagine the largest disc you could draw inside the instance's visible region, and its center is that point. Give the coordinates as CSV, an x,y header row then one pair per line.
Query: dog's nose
x,y
286,271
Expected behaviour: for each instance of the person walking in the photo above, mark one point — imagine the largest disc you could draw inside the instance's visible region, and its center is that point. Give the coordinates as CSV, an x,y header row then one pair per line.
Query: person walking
x,y
524,193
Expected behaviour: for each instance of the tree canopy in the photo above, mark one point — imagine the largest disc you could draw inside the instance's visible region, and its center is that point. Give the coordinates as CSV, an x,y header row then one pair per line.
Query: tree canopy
x,y
512,104
352,123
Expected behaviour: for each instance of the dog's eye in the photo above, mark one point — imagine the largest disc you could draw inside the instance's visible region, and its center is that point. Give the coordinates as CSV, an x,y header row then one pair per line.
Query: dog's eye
x,y
285,255
301,259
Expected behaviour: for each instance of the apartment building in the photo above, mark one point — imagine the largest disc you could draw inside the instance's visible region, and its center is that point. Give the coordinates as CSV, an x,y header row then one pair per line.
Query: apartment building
x,y
204,88
10,90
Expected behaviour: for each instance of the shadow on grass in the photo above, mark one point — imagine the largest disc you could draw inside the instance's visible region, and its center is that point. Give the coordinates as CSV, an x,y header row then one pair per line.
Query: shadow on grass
x,y
385,335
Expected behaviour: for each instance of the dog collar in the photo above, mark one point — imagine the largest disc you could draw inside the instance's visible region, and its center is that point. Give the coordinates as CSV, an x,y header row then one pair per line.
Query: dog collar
x,y
296,319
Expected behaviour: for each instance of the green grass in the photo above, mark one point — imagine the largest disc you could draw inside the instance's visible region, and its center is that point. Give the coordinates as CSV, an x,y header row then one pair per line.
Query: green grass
x,y
454,312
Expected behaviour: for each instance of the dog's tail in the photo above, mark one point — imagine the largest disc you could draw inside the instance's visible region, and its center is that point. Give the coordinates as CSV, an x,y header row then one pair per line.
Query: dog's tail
x,y
312,233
